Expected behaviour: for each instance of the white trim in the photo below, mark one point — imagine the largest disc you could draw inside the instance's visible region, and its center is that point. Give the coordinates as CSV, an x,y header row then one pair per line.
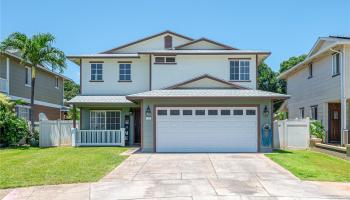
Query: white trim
x,y
41,103
57,82
105,111
29,78
8,74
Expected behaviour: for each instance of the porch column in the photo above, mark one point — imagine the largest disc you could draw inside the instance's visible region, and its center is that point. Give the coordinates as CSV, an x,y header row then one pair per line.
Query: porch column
x,y
74,117
343,98
8,74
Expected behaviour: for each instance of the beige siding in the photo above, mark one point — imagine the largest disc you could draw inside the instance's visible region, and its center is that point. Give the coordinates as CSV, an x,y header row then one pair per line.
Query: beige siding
x,y
44,88
2,66
318,90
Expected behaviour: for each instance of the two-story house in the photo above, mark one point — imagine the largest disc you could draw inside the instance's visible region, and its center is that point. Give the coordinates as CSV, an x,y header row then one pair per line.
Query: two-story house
x,y
15,82
320,87
173,93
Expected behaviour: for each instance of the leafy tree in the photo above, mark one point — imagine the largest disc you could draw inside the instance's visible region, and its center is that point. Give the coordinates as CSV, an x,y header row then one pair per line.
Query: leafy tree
x,y
291,62
36,50
267,79
71,89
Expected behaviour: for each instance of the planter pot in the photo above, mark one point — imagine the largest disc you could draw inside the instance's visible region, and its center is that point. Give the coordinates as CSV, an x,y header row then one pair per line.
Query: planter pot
x,y
314,141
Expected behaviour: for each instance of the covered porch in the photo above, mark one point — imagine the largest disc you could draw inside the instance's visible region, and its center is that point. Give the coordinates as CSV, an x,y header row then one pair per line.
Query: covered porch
x,y
105,121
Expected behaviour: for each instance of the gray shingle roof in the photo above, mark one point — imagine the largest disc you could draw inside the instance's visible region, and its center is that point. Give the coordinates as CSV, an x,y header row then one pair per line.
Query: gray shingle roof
x,y
99,99
182,51
197,93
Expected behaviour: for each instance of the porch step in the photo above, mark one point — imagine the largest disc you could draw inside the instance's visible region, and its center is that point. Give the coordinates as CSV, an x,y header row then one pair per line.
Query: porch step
x,y
331,147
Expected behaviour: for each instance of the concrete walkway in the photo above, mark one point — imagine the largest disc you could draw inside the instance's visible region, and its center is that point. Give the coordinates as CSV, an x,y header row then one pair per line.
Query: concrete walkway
x,y
192,176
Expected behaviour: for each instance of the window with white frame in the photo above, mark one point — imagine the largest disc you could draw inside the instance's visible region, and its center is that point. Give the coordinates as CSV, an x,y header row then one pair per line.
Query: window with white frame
x,y
125,72
28,76
314,112
165,60
336,64
96,72
56,82
23,112
104,120
310,71
239,70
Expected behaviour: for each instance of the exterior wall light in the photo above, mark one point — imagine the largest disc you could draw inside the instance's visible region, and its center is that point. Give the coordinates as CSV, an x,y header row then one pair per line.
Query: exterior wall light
x,y
266,111
148,113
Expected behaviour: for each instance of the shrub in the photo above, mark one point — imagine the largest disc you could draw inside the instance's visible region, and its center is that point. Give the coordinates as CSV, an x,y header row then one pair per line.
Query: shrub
x,y
317,129
12,128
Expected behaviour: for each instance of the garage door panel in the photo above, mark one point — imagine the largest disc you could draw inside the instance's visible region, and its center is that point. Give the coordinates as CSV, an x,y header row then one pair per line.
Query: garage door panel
x,y
207,133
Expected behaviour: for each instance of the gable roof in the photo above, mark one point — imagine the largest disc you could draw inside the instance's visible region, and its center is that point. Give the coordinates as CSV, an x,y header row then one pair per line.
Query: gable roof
x,y
317,51
16,55
206,40
178,85
146,38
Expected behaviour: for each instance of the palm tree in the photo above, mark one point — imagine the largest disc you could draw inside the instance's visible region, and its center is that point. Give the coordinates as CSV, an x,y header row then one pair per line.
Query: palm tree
x,y
35,51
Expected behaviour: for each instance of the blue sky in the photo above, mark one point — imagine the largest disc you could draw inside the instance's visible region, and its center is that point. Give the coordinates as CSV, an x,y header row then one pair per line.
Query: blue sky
x,y
286,28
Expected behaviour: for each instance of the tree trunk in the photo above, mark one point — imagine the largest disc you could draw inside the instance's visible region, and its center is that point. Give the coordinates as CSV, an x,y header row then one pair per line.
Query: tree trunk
x,y
32,101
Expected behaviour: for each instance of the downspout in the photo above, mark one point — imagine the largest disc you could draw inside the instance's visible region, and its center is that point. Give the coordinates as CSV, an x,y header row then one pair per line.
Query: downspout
x,y
342,95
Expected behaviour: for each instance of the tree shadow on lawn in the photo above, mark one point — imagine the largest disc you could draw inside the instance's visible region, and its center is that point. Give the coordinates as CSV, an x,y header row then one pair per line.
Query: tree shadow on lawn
x,y
282,151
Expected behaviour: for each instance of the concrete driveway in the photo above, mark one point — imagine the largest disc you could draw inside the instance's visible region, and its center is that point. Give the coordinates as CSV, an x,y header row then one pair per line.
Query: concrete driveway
x,y
192,176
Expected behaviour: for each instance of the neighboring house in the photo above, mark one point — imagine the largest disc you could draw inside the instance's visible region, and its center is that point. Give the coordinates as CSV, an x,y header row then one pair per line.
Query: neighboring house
x,y
175,94
15,81
320,87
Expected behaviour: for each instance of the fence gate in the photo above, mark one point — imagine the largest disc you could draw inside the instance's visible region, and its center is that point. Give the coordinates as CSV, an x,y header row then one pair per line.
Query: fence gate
x,y
292,134
55,133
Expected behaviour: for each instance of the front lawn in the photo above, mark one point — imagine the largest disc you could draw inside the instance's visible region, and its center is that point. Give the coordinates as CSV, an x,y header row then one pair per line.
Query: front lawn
x,y
310,165
29,166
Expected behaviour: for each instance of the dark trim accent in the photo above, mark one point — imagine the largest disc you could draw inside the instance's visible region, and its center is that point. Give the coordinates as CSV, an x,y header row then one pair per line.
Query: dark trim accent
x,y
81,76
96,81
124,81
209,77
256,71
124,61
165,63
207,53
154,128
206,40
335,75
147,38
150,72
96,62
164,54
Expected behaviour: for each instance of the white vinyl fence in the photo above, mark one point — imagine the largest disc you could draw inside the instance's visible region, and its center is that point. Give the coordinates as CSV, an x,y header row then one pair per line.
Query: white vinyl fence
x,y
55,133
291,134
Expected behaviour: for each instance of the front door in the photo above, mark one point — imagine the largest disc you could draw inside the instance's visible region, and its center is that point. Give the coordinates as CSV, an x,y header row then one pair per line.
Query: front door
x,y
334,122
137,125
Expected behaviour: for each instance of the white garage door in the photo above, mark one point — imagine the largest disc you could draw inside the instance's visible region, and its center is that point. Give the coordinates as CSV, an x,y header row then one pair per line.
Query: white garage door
x,y
206,129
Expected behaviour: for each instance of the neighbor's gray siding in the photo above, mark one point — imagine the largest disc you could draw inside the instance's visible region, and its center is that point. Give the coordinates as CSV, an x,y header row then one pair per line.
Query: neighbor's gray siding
x,y
2,66
318,90
148,129
44,86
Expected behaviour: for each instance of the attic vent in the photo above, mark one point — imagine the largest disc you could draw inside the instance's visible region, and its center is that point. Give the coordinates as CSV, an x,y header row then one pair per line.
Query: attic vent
x,y
168,42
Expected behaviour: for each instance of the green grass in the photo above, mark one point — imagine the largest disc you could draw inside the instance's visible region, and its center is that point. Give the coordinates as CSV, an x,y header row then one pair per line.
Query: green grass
x,y
30,166
310,165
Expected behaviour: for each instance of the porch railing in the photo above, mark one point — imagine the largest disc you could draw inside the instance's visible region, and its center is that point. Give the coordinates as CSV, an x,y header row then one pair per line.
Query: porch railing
x,y
4,86
99,137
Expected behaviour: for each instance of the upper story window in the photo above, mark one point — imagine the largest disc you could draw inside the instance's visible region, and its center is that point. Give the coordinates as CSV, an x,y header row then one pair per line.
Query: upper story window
x,y
168,42
336,64
124,72
310,71
28,76
314,112
301,113
56,82
165,60
23,112
96,72
239,70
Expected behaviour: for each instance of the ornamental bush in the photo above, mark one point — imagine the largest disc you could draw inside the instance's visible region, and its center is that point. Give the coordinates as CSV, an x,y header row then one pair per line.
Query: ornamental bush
x,y
12,128
317,129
